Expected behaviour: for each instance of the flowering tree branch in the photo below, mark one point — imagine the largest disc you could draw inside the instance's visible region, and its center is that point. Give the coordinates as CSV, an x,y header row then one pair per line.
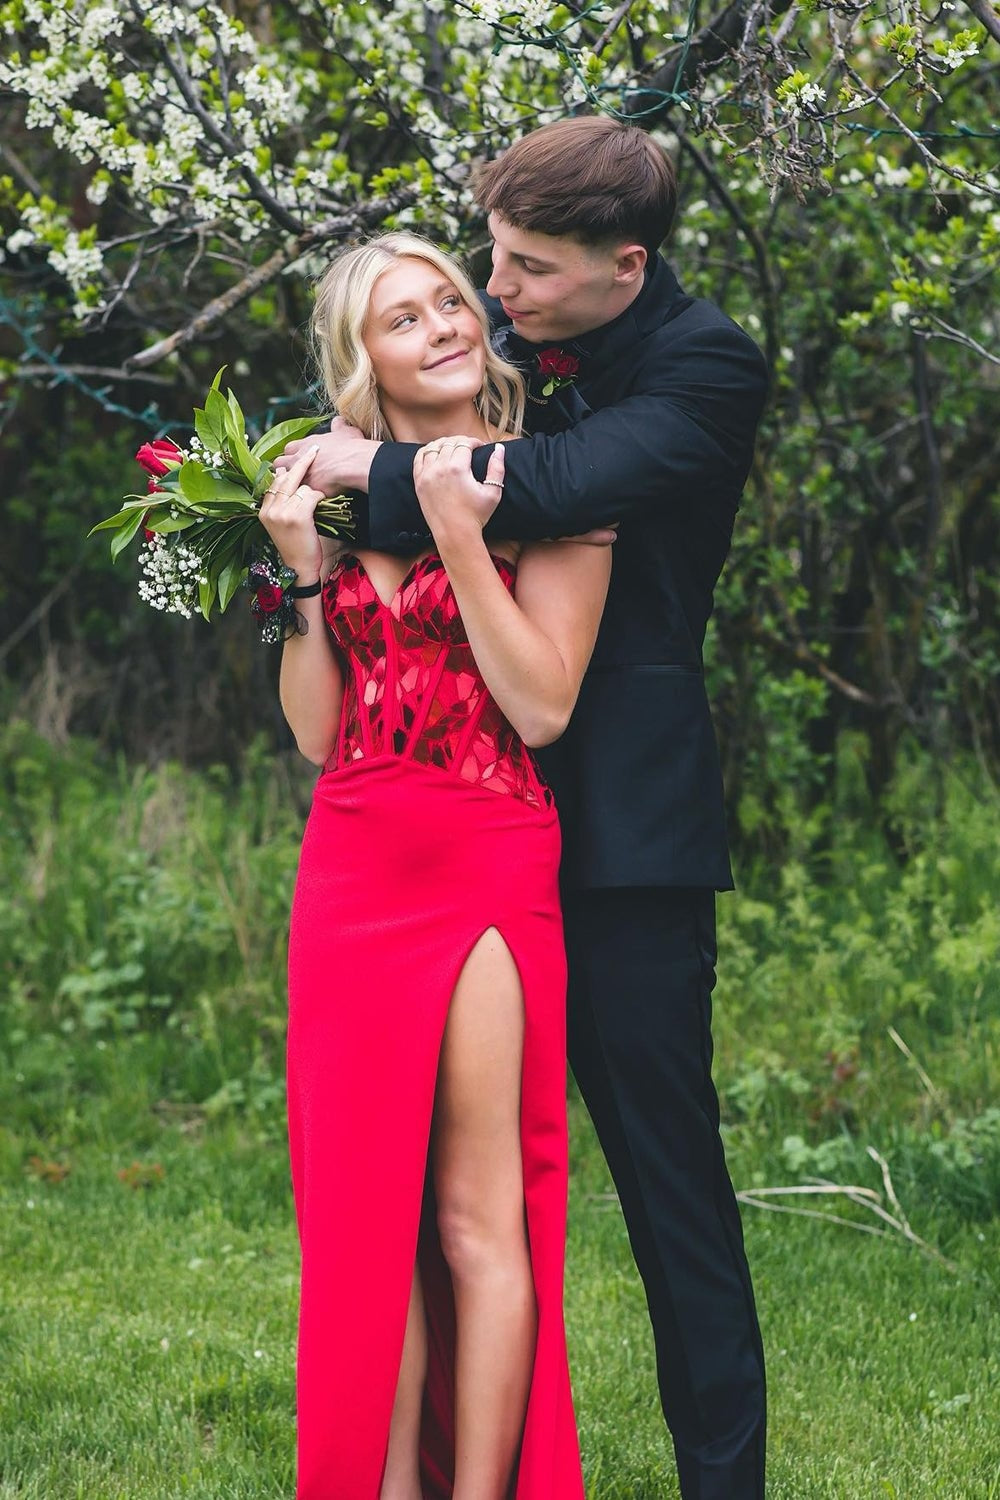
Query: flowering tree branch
x,y
221,306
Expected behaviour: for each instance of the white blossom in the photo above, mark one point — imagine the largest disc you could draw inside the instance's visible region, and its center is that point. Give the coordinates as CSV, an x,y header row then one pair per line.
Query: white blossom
x,y
20,240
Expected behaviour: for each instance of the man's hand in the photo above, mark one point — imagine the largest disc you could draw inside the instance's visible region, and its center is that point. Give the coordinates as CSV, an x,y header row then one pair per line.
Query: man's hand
x,y
343,461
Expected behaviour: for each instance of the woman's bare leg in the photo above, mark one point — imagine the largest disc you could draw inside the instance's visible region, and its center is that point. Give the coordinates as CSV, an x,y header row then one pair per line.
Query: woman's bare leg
x,y
481,1220
401,1480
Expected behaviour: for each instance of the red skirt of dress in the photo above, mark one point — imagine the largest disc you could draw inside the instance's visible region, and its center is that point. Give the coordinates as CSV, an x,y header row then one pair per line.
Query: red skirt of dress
x,y
403,868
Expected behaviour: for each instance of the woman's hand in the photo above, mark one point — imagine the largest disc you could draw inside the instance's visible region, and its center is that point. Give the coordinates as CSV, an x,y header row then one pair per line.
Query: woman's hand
x,y
287,515
452,499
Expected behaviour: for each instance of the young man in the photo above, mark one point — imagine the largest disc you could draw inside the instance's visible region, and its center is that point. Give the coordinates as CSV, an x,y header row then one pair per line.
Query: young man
x,y
643,406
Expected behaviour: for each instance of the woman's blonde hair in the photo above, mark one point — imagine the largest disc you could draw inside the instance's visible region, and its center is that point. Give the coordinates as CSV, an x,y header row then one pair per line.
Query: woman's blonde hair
x,y
343,302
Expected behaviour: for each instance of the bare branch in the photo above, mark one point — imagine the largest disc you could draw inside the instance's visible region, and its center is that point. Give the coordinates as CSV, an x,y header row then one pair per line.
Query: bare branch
x,y
799,651
94,372
612,27
988,16
956,336
710,45
185,83
334,229
752,236
40,610
12,159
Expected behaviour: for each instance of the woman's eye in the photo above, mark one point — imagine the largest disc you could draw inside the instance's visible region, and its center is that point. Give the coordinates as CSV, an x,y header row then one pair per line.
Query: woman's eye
x,y
403,318
452,302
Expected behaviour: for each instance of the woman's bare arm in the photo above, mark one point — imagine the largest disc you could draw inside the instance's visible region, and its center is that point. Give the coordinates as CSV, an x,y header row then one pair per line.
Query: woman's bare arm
x,y
311,684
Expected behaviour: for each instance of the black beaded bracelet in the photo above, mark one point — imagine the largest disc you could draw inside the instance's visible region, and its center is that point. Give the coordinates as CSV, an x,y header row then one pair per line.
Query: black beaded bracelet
x,y
305,591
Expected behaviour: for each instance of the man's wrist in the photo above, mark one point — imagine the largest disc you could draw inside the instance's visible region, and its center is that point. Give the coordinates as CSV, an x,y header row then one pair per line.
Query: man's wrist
x,y
356,474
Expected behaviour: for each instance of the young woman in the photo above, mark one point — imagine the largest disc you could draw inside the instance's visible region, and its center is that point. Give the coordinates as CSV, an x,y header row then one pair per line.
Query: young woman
x,y
426,1062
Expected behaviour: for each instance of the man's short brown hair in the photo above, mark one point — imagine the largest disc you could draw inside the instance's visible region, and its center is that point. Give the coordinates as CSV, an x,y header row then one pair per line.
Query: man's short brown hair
x,y
592,178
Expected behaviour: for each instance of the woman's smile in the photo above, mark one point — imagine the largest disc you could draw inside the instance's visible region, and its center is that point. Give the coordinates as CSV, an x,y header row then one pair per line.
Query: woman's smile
x,y
446,359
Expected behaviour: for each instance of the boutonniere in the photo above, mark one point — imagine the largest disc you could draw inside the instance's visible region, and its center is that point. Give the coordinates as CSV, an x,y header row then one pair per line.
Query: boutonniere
x,y
560,367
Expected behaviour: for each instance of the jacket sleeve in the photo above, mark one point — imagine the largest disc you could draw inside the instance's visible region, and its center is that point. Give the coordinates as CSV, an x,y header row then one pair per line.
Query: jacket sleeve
x,y
683,434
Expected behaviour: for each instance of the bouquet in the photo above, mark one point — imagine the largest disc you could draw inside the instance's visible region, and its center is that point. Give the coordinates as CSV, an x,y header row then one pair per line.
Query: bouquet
x,y
202,537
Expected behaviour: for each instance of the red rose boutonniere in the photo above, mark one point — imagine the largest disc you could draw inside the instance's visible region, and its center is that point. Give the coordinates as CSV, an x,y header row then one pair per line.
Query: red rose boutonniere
x,y
560,367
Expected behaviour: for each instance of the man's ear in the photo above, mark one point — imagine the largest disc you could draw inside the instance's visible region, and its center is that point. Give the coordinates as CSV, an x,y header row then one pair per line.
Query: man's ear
x,y
630,264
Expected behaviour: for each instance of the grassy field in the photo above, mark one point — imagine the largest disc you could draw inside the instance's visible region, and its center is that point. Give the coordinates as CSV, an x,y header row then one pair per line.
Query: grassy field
x,y
148,1260
148,1315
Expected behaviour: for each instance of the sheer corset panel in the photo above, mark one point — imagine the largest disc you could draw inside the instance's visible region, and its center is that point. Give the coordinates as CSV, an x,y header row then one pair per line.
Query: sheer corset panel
x,y
411,685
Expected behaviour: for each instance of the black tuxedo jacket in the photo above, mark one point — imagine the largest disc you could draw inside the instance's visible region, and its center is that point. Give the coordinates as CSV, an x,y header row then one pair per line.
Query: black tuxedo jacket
x,y
656,432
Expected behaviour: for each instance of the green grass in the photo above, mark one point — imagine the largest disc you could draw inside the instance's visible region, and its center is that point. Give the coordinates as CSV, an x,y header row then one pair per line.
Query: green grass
x,y
147,1333
146,1338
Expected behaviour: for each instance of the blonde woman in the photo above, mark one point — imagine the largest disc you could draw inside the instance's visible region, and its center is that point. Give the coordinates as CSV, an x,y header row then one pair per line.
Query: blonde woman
x,y
426,1053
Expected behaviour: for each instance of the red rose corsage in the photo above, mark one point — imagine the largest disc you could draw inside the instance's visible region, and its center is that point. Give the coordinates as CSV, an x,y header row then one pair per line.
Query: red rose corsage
x,y
272,605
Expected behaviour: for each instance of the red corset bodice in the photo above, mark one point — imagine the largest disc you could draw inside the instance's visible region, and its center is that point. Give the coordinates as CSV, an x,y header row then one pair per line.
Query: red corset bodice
x,y
411,684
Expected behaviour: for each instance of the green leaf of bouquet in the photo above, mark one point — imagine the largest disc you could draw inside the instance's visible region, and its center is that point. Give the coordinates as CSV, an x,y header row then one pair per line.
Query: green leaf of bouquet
x,y
219,541
235,422
240,454
203,488
217,414
196,484
113,523
210,433
229,581
231,493
265,473
206,596
164,525
276,438
218,378
125,533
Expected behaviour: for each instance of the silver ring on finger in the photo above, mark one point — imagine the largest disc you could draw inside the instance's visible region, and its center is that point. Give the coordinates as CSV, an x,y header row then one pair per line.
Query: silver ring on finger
x,y
497,483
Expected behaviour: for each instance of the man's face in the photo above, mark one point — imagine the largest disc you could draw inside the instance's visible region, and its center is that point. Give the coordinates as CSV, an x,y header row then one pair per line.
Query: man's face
x,y
553,288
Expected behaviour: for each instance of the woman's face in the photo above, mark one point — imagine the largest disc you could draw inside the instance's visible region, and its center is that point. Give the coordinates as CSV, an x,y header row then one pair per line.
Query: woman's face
x,y
425,343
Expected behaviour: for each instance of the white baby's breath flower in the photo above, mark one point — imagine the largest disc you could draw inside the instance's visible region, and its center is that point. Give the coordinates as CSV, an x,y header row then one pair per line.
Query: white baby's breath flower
x,y
172,573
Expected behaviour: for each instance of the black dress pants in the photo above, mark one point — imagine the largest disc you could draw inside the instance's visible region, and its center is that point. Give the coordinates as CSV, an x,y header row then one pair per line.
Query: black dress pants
x,y
642,971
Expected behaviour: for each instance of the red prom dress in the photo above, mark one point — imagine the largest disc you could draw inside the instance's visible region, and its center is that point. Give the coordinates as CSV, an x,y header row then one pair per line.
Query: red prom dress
x,y
429,826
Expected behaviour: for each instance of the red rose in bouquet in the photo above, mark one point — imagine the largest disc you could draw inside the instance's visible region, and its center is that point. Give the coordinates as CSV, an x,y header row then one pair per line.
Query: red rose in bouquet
x,y
151,456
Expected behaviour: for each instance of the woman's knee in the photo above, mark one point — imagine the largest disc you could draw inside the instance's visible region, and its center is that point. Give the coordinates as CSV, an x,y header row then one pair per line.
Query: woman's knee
x,y
482,1239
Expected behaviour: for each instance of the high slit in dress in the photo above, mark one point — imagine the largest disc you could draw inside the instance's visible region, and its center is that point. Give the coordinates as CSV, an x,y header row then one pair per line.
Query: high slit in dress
x,y
429,825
